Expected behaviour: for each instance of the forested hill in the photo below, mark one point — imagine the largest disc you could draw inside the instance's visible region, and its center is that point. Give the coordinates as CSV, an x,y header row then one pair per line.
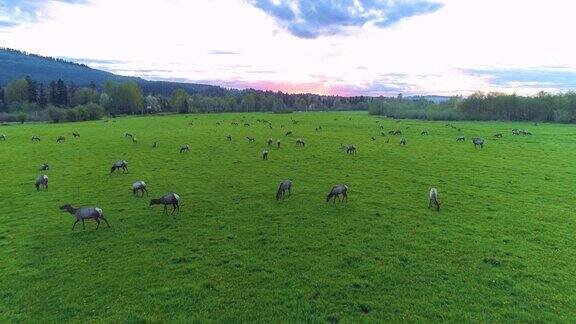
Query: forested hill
x,y
16,64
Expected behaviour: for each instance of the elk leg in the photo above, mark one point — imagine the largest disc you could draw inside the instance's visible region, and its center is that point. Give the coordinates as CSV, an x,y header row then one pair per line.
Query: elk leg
x,y
166,209
98,222
104,219
173,209
83,226
76,222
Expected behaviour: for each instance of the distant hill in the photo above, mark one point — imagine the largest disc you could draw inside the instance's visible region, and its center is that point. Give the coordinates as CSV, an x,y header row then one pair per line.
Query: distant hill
x,y
15,64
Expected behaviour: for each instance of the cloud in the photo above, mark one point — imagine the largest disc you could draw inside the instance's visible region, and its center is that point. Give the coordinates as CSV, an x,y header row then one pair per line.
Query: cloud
x,y
220,52
16,12
557,78
314,18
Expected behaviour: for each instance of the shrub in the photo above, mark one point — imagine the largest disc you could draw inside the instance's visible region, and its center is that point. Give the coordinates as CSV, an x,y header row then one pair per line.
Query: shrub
x,y
22,117
56,115
72,115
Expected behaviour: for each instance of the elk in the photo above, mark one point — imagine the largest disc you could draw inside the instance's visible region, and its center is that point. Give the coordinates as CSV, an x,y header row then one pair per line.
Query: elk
x,y
250,139
35,138
155,145
498,135
288,133
60,139
139,186
403,141
120,164
2,137
350,149
278,143
128,135
434,199
424,132
373,138
478,142
337,191
460,139
84,213
75,134
44,167
184,148
41,181
172,199
247,124
270,141
300,142
285,185
229,137
265,155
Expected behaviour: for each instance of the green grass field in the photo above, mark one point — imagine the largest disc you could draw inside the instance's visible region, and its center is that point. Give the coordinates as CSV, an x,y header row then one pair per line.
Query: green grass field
x,y
501,249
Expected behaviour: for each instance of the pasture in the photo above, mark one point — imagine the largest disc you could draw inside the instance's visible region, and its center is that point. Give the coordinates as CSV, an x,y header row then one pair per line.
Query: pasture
x,y
502,247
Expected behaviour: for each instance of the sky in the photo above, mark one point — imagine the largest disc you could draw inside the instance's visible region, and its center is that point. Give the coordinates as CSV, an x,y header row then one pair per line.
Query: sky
x,y
343,47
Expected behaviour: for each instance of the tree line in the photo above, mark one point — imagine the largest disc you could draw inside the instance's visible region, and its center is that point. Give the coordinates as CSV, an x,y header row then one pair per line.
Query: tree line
x,y
544,107
31,97
65,101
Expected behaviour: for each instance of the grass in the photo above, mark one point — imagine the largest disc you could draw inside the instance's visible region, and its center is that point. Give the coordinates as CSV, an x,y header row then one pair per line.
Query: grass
x,y
501,249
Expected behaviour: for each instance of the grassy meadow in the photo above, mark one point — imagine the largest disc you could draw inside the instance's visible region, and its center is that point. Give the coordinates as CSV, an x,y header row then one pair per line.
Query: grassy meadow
x,y
502,248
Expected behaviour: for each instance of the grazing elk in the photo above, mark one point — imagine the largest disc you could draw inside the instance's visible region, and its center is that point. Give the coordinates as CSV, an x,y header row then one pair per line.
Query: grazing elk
x,y
184,148
285,185
76,134
120,164
229,137
270,141
300,142
172,199
44,167
288,133
155,145
498,135
424,132
478,142
461,139
265,155
350,149
434,199
41,181
60,139
84,213
139,186
2,137
128,135
35,138
337,191
278,143
403,141
373,138
250,139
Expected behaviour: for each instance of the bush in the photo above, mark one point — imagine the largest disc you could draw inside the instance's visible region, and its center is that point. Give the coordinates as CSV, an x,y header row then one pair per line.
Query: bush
x,y
56,115
94,111
72,115
22,117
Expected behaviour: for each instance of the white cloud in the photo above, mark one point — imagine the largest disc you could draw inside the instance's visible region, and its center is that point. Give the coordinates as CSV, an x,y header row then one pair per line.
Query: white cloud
x,y
427,54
